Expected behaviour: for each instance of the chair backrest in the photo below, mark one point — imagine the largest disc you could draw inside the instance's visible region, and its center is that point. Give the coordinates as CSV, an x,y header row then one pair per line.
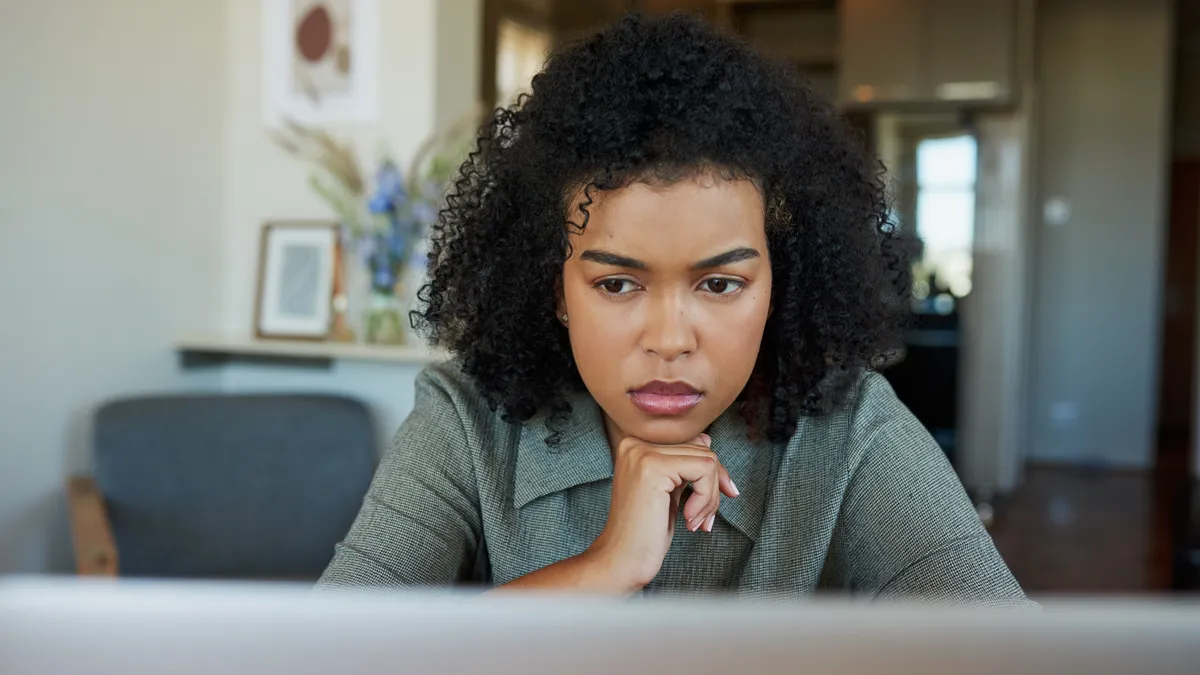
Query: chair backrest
x,y
247,486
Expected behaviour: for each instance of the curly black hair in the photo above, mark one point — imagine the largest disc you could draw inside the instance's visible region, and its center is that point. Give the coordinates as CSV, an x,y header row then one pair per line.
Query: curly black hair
x,y
657,99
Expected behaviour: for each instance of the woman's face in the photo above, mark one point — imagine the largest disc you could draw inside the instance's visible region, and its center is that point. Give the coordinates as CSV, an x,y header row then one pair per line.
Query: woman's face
x,y
666,294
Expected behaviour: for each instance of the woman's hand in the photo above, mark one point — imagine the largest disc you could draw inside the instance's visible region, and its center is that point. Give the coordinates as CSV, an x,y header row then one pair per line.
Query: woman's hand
x,y
648,482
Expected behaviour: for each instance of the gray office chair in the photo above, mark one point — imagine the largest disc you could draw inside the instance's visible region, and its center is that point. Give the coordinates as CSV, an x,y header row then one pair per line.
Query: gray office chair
x,y
221,486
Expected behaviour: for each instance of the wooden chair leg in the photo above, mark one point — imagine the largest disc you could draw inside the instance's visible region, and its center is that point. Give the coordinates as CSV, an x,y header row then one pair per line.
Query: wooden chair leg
x,y
95,548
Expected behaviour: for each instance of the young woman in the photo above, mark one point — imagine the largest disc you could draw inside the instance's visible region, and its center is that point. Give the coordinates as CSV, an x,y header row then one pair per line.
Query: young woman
x,y
666,277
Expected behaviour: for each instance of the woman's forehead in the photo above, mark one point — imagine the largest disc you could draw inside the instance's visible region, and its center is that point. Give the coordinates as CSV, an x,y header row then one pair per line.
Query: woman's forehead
x,y
687,217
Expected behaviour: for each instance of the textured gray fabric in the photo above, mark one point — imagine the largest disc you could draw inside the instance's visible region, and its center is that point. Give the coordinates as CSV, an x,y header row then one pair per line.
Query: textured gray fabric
x,y
232,486
861,500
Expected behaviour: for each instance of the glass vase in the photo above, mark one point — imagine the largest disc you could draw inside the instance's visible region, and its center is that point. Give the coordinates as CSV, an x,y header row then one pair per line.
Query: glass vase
x,y
385,319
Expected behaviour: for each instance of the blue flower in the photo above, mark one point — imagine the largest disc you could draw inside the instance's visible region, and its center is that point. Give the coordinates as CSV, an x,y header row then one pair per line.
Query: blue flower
x,y
396,242
383,278
389,189
380,203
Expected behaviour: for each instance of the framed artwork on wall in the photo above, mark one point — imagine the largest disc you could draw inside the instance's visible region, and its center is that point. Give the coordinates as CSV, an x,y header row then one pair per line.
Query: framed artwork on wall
x,y
320,61
296,279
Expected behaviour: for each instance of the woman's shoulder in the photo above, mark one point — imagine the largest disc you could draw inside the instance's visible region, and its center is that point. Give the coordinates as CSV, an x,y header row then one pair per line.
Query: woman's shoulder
x,y
872,403
447,379
869,410
447,394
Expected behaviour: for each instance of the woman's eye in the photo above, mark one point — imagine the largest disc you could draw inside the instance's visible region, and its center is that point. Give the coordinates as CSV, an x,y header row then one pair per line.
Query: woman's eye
x,y
616,286
722,286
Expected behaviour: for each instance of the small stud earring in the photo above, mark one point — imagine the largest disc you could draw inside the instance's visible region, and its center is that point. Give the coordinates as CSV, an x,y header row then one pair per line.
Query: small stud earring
x,y
564,318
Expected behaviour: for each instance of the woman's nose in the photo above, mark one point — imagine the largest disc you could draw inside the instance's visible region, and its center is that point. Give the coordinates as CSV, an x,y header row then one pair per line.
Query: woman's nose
x,y
669,332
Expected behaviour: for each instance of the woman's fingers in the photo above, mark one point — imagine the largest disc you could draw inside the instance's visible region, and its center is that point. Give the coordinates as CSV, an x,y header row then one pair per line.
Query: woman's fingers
x,y
725,482
727,486
697,470
703,472
696,464
700,511
676,494
701,505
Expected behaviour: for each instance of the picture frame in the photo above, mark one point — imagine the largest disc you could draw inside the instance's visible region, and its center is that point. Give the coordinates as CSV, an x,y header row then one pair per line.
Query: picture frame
x,y
296,280
320,61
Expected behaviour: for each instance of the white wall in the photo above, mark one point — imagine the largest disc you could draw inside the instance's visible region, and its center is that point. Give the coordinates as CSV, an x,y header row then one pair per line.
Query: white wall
x,y
995,319
459,46
994,315
111,138
1103,68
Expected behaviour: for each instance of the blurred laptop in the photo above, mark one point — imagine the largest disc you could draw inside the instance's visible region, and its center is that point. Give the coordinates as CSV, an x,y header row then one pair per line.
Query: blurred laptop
x,y
144,628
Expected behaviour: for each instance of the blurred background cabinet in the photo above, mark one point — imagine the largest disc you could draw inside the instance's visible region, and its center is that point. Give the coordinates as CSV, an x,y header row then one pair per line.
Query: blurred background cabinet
x,y
927,51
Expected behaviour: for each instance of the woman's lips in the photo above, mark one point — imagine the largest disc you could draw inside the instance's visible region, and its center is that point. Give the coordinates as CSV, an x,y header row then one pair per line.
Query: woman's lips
x,y
665,398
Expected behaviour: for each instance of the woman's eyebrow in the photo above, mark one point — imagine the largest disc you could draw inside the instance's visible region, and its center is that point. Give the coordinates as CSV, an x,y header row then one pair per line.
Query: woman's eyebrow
x,y
617,260
607,258
727,258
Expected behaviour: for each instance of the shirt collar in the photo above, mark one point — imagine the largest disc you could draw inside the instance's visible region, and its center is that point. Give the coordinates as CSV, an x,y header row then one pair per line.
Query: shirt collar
x,y
749,464
583,456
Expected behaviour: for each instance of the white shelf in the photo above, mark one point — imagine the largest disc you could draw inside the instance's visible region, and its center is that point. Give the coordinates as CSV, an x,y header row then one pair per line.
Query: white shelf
x,y
230,347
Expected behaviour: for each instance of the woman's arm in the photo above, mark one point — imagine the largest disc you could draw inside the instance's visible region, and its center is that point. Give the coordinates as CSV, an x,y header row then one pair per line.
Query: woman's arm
x,y
906,527
587,572
420,521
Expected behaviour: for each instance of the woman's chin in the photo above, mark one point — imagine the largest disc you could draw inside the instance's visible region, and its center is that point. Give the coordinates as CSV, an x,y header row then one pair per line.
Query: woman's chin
x,y
669,430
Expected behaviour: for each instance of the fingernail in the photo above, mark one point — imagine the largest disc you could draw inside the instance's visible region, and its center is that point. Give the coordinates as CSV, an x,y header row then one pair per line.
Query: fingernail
x,y
712,519
734,487
707,439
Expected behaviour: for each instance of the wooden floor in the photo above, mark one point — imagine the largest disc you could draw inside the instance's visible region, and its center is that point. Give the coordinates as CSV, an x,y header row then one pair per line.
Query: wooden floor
x,y
1076,530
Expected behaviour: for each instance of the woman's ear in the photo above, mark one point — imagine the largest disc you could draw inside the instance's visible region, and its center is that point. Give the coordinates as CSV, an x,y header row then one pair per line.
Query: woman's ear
x,y
560,302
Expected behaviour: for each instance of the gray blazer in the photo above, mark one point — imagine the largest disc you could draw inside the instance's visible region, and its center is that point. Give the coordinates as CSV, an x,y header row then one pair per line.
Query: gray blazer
x,y
860,500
